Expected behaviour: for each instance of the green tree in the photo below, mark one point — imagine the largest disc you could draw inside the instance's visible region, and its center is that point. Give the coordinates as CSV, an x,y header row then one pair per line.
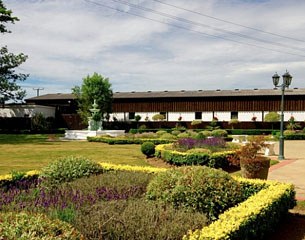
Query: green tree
x,y
9,88
272,117
94,87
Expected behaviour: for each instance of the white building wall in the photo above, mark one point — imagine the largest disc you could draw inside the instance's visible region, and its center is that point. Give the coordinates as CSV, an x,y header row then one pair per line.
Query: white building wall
x,y
223,116
298,116
186,116
207,116
247,116
26,110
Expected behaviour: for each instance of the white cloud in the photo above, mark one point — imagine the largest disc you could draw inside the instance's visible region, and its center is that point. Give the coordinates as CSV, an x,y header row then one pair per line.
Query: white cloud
x,y
66,40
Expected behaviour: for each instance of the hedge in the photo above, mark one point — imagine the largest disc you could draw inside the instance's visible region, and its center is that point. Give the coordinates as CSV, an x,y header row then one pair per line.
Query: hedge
x,y
251,219
215,160
112,141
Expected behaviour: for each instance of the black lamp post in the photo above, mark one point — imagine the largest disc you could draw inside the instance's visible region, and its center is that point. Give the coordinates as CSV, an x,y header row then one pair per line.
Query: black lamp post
x,y
286,82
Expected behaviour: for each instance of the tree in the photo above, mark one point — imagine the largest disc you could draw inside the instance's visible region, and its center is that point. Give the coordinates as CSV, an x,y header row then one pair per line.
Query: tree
x,y
9,89
272,117
94,87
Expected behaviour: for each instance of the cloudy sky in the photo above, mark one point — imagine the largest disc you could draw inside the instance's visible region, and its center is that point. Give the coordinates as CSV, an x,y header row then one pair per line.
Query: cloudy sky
x,y
158,45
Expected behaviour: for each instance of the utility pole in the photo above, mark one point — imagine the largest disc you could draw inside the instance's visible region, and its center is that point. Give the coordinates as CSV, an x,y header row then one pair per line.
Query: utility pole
x,y
38,89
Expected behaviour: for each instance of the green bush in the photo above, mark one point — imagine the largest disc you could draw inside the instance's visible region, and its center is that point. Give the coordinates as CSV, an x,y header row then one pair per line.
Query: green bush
x,y
183,135
69,168
289,132
203,189
158,117
148,149
34,227
161,132
199,150
219,133
206,133
137,219
176,132
167,136
112,141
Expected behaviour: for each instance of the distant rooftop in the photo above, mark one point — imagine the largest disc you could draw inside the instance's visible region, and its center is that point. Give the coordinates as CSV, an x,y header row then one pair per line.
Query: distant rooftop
x,y
182,94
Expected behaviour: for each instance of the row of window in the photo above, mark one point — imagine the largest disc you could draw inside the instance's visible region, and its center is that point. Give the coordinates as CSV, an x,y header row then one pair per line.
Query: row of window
x,y
198,115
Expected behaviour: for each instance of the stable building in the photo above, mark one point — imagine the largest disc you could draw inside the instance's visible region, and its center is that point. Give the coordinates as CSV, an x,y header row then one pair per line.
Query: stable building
x,y
246,105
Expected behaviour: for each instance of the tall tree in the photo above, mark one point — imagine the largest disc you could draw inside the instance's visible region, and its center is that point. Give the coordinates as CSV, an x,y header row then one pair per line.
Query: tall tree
x,y
94,87
9,88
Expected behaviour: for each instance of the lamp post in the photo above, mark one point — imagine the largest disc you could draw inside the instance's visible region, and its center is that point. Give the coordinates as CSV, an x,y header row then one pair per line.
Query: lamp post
x,y
286,82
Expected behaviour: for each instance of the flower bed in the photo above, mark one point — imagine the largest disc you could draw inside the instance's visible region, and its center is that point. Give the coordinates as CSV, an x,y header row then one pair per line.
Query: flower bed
x,y
112,141
215,160
251,219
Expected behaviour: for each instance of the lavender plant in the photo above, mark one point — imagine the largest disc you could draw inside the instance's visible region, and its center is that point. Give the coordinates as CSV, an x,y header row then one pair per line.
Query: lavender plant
x,y
212,144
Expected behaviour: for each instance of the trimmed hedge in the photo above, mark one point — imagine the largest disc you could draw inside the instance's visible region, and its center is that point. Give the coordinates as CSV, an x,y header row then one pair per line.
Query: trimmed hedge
x,y
298,136
112,141
253,218
215,160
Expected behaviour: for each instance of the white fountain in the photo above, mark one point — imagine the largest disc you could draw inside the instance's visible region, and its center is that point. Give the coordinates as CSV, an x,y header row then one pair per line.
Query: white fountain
x,y
95,128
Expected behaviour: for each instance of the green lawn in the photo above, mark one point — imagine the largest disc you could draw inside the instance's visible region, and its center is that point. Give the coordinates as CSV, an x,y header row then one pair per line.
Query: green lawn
x,y
28,152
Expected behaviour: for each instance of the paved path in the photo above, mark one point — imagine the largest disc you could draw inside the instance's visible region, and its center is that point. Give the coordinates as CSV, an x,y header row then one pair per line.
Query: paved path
x,y
292,169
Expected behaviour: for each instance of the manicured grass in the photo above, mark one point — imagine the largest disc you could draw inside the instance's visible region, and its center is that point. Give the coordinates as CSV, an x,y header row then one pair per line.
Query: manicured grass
x,y
28,152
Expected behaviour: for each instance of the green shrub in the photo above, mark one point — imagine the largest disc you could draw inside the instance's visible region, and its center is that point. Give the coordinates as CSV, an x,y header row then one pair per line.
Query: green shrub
x,y
148,149
219,133
203,189
34,226
199,150
112,141
206,133
158,117
160,132
133,131
167,136
69,168
137,219
176,132
183,135
289,132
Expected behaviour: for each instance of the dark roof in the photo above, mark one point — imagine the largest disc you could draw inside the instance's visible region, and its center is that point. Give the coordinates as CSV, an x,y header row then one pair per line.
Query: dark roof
x,y
182,94
208,93
56,96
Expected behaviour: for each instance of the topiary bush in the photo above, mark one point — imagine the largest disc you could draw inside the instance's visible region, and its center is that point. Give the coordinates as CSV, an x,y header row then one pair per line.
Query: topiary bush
x,y
219,133
67,169
148,149
203,189
35,226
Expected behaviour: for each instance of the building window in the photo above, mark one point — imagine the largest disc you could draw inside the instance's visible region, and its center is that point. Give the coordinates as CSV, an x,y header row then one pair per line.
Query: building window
x,y
234,115
131,115
198,115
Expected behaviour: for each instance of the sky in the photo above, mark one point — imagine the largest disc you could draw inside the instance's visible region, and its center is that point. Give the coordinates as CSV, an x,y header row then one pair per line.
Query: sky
x,y
157,45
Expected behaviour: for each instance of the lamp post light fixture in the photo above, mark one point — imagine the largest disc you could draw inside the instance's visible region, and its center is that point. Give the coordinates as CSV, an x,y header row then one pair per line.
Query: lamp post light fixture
x,y
286,82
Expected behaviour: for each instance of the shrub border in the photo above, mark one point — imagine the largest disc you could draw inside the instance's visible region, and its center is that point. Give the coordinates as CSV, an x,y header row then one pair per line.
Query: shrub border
x,y
215,160
251,219
112,141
